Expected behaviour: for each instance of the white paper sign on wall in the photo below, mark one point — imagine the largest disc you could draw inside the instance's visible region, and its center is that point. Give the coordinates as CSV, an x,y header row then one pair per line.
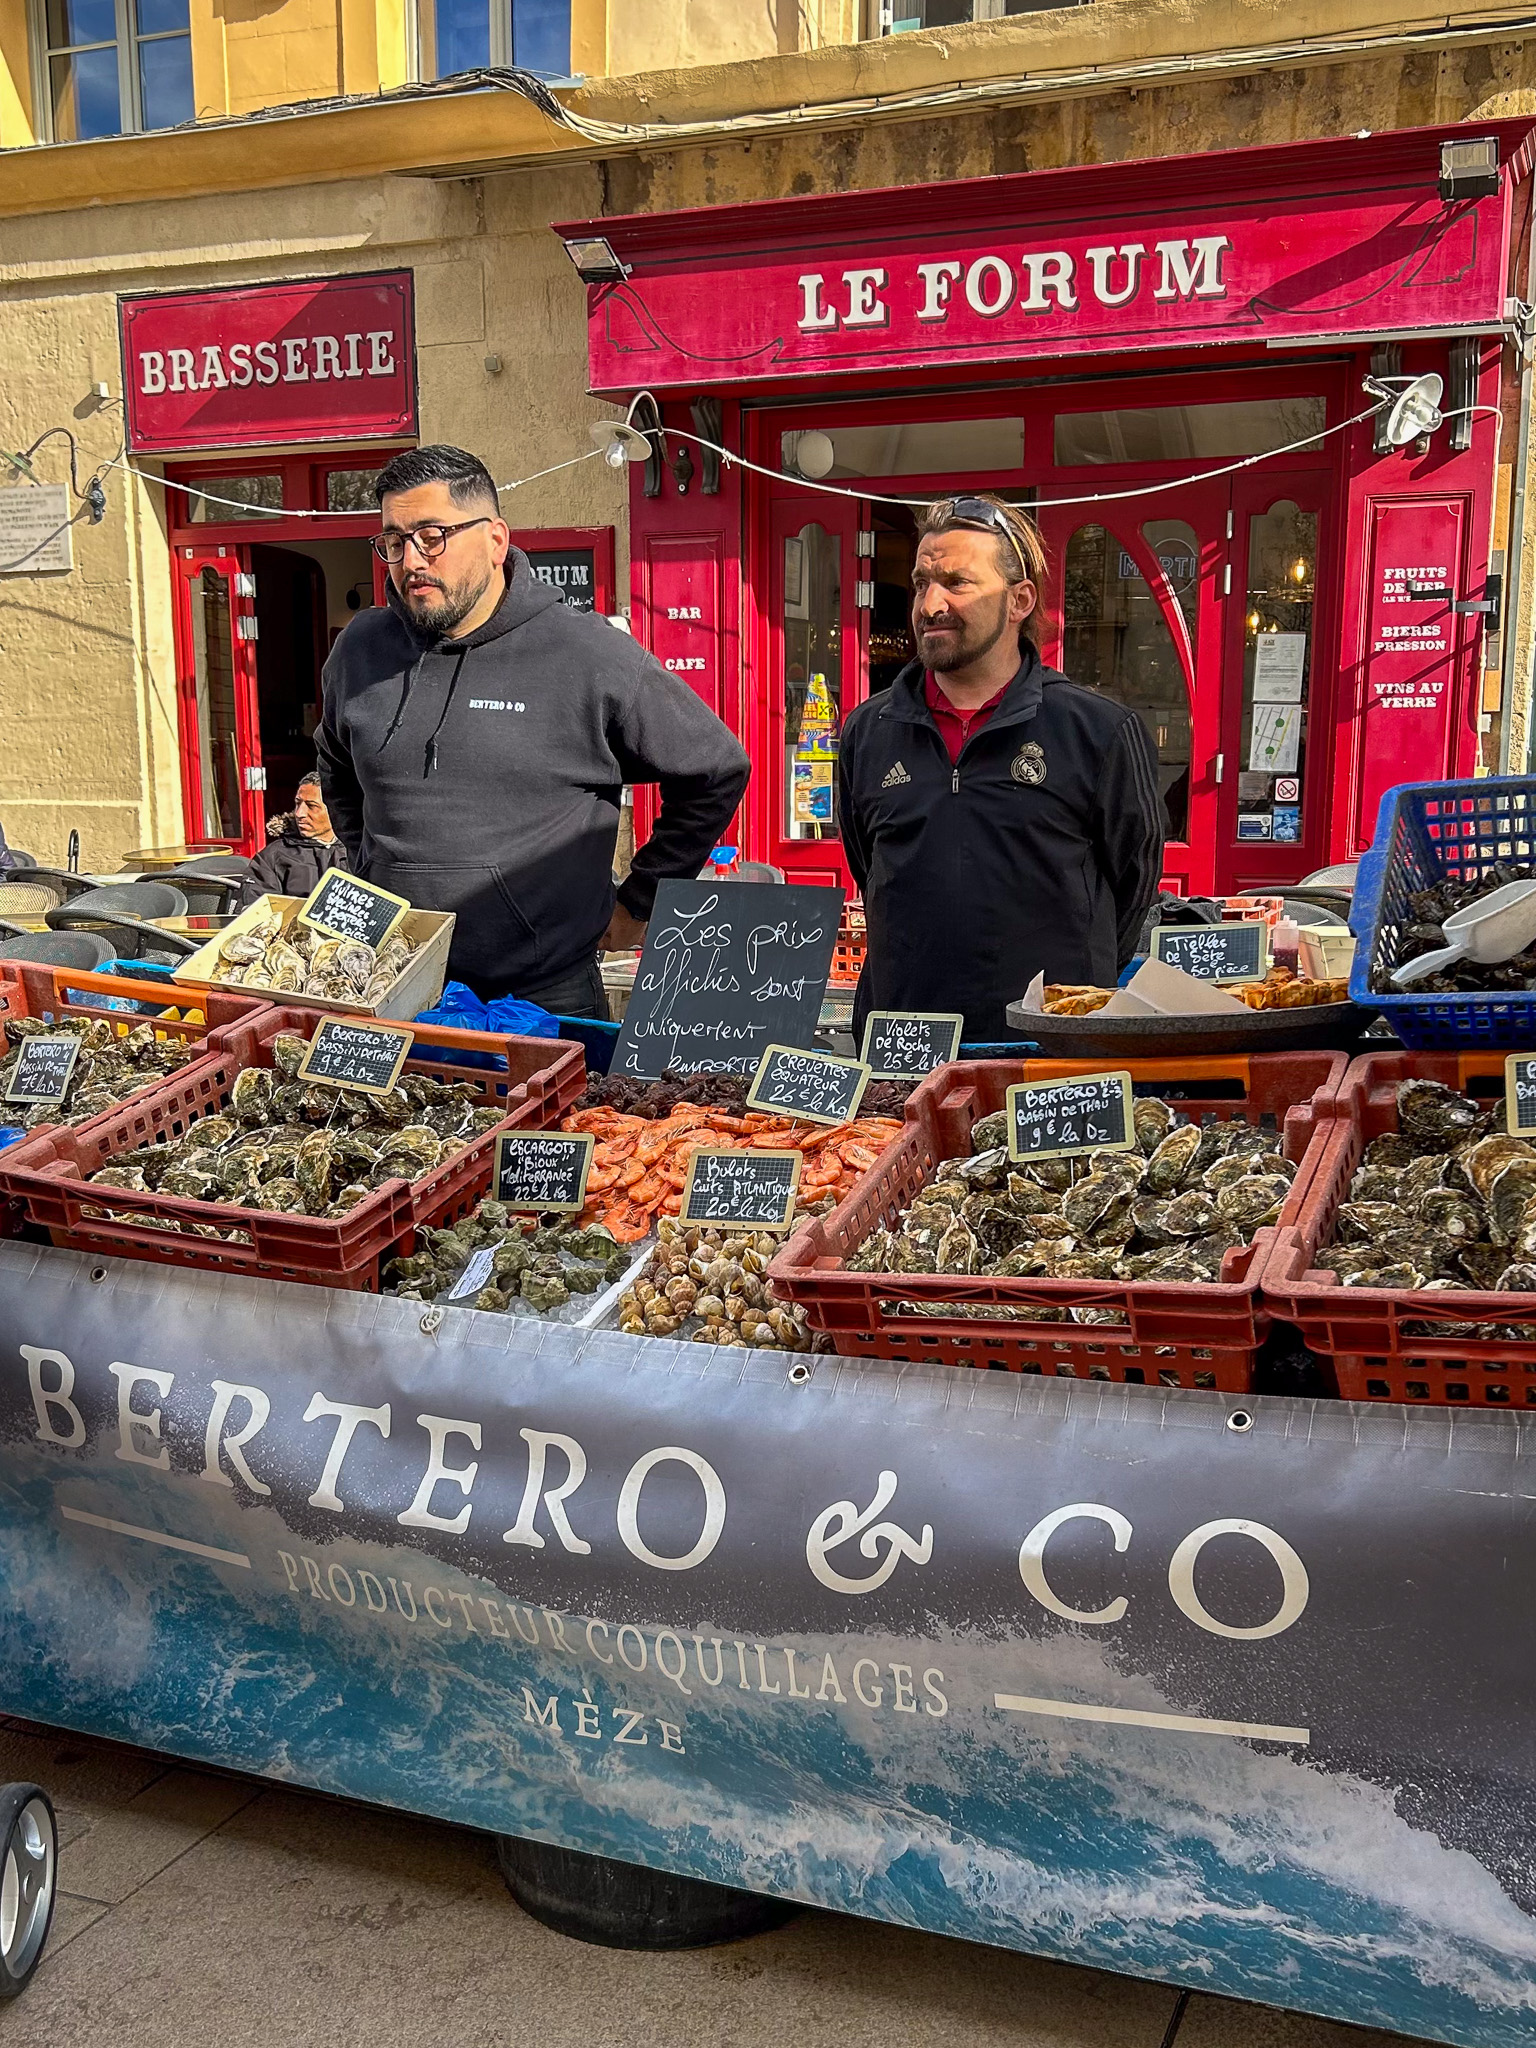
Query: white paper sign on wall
x,y
35,533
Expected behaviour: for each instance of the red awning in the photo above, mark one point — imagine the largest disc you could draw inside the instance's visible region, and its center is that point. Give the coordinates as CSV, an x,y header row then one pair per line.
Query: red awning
x,y
1308,242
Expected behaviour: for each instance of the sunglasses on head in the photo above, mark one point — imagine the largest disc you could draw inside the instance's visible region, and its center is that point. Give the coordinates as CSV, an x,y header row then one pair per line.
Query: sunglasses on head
x,y
990,518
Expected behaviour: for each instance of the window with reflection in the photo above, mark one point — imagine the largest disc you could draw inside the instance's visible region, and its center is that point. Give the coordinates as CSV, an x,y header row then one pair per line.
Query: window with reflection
x,y
115,66
1277,663
813,681
218,500
1174,433
213,667
1115,639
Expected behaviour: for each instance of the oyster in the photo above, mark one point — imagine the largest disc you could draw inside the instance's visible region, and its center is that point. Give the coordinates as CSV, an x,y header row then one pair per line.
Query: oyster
x,y
956,1250
1152,1120
1256,1199
314,1166
1191,1214
250,1099
288,1051
1511,1189
1173,1159
285,1196
990,1132
408,1153
1452,1217
1489,1156
244,949
1433,1115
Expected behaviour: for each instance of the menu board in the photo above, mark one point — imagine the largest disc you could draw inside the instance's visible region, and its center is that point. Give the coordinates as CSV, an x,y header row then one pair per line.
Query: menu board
x,y
903,1045
1054,1119
348,908
728,969
1214,952
44,1068
813,1087
351,1054
572,572
543,1170
752,1190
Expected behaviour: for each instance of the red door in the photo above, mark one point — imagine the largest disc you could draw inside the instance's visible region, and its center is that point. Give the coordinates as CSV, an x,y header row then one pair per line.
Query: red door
x,y
1277,701
222,779
816,629
1134,606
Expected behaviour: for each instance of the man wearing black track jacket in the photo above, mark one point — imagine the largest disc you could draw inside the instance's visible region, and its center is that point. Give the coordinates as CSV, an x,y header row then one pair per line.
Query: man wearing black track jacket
x,y
999,821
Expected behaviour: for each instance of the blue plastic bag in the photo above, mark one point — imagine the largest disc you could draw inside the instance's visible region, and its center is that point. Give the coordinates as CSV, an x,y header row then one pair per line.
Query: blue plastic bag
x,y
462,1010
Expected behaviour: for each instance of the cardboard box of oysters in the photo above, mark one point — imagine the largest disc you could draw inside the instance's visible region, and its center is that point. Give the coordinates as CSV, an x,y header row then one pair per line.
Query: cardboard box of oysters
x,y
270,951
1412,1263
1131,1251
240,1163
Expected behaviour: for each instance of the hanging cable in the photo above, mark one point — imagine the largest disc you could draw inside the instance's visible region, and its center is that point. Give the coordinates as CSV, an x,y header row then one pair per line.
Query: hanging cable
x,y
167,483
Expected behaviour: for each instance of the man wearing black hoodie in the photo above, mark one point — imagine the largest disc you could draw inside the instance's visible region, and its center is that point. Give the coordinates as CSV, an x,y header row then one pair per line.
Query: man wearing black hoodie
x,y
476,738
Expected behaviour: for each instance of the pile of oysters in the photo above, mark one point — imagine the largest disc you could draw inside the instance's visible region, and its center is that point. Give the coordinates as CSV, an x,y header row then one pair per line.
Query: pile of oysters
x,y
305,1148
528,1270
1445,1204
1424,932
1168,1209
289,958
108,1069
711,1286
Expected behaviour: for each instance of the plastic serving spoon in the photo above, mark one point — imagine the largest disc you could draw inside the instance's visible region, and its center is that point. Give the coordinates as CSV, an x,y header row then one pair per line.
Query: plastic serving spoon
x,y
1502,925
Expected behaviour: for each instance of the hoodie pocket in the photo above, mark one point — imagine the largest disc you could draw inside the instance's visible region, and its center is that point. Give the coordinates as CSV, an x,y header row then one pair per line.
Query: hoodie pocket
x,y
492,939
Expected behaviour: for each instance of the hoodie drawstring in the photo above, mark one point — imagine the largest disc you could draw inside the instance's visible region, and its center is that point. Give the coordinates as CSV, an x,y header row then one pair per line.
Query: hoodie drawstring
x,y
429,758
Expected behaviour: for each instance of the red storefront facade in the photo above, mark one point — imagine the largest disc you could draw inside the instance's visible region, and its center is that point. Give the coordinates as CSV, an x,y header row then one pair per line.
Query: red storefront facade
x,y
1165,360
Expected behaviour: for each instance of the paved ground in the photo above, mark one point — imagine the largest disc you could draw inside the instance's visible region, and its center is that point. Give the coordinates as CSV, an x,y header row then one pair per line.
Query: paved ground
x,y
202,1911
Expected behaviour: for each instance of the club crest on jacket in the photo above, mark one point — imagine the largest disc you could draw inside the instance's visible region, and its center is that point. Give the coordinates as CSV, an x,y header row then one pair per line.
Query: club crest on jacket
x,y
1028,763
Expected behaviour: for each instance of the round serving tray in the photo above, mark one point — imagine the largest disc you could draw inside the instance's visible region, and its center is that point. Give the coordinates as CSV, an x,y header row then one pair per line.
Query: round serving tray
x,y
1322,1026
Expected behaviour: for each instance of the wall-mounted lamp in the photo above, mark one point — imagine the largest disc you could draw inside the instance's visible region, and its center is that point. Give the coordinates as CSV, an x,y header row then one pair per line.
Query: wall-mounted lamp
x,y
1415,406
596,260
619,443
1469,170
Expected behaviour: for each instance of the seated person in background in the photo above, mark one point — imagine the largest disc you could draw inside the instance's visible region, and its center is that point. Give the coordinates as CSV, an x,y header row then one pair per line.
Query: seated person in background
x,y
293,861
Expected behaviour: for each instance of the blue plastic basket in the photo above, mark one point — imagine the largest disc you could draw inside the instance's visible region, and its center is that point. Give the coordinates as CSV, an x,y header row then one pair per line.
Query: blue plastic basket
x,y
1428,832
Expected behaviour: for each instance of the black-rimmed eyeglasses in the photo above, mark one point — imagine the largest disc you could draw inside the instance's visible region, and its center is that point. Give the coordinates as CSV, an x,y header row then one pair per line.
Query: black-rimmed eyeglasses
x,y
429,540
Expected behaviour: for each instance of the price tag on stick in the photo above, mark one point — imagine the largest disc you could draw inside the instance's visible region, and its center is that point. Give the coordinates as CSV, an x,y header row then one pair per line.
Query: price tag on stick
x,y
347,908
543,1169
44,1069
352,1054
1520,1095
755,1190
903,1045
1215,952
816,1087
1055,1119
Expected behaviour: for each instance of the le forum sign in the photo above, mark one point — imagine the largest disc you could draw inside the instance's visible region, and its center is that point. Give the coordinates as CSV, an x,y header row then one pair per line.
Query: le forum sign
x,y
313,359
1303,242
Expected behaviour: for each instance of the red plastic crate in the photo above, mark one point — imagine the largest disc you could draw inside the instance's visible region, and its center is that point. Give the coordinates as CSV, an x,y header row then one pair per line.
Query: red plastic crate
x,y
538,1080
1200,1334
1371,1335
28,990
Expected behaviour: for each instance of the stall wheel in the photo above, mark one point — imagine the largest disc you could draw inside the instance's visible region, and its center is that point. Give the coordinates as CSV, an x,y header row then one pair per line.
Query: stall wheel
x,y
29,1861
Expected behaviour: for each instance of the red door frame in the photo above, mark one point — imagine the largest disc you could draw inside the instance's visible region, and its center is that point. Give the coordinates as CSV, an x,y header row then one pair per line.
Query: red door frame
x,y
233,564
1184,381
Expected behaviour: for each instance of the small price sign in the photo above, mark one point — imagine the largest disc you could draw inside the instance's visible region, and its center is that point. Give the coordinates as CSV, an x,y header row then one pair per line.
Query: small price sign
x,y
351,1054
543,1169
816,1087
903,1045
1214,952
44,1069
1054,1119
1520,1095
347,908
755,1190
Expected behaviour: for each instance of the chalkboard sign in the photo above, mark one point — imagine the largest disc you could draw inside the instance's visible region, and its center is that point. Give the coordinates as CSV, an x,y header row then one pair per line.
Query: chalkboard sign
x,y
814,1087
543,1169
44,1069
1089,1113
1214,952
755,1190
348,908
351,1054
728,969
1520,1095
570,571
903,1045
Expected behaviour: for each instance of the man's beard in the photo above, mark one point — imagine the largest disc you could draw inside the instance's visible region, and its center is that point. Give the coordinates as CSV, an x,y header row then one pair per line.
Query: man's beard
x,y
966,646
452,606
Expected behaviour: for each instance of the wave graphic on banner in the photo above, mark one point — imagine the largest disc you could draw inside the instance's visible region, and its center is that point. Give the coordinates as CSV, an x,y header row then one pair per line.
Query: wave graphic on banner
x,y
1202,1859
